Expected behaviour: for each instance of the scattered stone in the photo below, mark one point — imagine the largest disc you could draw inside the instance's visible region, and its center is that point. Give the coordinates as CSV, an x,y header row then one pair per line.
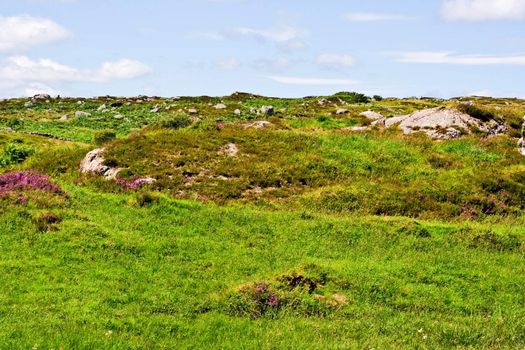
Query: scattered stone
x,y
258,125
268,110
192,111
230,150
357,128
118,116
102,108
254,111
94,163
195,119
220,106
80,114
28,104
237,112
371,115
155,109
342,111
64,118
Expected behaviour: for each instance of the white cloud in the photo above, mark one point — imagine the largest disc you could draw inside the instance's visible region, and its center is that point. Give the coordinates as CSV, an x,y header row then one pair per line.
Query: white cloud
x,y
33,89
23,32
229,64
482,10
452,58
375,17
331,60
22,68
313,81
287,37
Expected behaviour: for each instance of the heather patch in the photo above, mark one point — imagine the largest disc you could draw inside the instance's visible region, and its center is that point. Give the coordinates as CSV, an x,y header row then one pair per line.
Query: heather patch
x,y
22,187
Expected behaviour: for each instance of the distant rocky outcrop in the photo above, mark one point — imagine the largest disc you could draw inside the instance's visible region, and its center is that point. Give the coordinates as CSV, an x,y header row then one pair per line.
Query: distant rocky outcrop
x,y
521,142
441,123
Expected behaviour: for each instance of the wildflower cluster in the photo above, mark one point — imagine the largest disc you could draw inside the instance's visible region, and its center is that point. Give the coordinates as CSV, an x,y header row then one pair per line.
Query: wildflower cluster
x,y
14,184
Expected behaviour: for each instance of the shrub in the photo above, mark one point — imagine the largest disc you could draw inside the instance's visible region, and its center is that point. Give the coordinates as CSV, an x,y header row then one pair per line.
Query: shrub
x,y
378,98
144,198
46,221
104,136
353,97
15,153
177,121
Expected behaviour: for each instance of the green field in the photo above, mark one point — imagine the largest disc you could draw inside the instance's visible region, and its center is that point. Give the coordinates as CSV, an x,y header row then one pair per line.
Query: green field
x,y
313,236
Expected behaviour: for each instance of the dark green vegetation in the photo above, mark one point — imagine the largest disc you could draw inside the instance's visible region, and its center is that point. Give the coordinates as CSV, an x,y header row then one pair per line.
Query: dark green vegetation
x,y
300,233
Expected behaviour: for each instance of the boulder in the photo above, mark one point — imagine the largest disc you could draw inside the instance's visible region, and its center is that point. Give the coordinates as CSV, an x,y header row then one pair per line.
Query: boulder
x,y
192,111
64,118
342,111
102,108
371,115
237,112
441,123
268,110
79,114
28,104
93,163
41,97
220,106
230,150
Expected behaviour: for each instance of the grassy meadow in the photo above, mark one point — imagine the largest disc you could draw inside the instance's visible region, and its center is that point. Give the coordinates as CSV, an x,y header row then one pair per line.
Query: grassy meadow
x,y
313,235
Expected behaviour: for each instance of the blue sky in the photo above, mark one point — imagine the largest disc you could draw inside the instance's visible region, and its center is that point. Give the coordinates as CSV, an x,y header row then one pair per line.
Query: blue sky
x,y
279,48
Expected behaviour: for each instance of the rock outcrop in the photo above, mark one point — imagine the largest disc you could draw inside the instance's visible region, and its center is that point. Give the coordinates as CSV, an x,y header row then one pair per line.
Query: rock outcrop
x,y
521,142
441,123
93,163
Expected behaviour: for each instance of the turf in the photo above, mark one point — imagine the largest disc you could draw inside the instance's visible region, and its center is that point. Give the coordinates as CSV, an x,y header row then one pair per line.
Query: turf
x,y
313,236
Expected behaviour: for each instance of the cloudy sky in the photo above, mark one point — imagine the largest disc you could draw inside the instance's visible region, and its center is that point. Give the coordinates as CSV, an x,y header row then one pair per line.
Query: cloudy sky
x,y
272,47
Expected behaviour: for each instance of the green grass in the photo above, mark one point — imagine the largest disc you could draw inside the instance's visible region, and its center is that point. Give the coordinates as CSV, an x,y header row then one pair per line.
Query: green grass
x,y
162,276
313,236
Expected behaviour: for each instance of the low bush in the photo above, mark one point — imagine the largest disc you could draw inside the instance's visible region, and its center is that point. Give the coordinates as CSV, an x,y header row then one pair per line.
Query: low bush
x,y
15,153
178,121
104,136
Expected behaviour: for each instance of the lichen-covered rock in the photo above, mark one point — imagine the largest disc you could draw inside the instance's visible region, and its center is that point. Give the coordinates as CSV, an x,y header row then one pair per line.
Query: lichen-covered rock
x,y
441,123
93,163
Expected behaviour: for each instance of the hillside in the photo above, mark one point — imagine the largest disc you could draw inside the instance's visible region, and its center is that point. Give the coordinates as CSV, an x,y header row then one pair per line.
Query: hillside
x,y
244,221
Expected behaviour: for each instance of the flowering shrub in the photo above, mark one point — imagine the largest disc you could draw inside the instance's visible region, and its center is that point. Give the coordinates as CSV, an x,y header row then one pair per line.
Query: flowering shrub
x,y
15,185
294,293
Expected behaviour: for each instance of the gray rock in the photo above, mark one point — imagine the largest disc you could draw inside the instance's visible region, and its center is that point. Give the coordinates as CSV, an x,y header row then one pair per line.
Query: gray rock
x,y
102,108
64,118
263,124
371,115
93,163
28,104
118,116
220,106
192,111
230,150
268,110
342,111
80,114
40,97
237,112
